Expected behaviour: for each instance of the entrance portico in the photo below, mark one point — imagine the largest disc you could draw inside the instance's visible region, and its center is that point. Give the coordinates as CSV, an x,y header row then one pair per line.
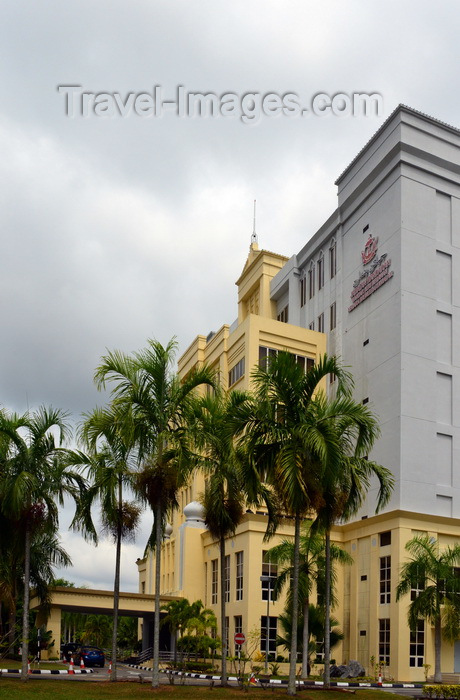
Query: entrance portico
x,y
98,602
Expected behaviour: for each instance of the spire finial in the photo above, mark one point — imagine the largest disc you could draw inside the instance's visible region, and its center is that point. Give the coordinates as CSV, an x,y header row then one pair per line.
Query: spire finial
x,y
254,234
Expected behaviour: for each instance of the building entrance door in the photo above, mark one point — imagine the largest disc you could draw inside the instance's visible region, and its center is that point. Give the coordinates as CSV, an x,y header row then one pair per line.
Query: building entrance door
x,y
457,657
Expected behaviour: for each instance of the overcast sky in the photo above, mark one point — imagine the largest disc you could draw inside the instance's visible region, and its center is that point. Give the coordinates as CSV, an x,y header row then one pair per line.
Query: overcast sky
x,y
116,229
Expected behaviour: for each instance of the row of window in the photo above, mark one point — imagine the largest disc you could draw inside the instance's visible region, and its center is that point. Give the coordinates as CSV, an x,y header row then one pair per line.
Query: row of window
x,y
283,315
416,644
272,632
236,372
269,574
264,357
307,282
332,320
265,354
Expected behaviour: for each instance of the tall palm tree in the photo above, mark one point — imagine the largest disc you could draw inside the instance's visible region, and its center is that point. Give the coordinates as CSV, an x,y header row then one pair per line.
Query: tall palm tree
x,y
433,574
311,572
289,442
144,385
346,479
107,436
224,496
35,480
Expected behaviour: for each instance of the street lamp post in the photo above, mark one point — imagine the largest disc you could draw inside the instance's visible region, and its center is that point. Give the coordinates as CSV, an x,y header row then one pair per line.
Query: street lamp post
x,y
267,579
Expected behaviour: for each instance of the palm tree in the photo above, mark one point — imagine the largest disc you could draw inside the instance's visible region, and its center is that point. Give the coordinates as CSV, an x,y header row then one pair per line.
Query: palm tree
x,y
346,479
316,629
108,439
288,443
223,499
145,387
98,630
201,620
178,613
435,576
34,478
311,571
45,553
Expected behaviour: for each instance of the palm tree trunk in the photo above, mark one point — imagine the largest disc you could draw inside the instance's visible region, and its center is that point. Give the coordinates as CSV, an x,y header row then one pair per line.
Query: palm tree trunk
x,y
12,625
437,650
156,617
116,586
25,612
223,625
305,637
327,613
295,608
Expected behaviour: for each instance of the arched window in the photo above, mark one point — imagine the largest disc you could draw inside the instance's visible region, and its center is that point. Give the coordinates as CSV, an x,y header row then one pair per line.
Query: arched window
x,y
311,281
320,270
333,258
303,288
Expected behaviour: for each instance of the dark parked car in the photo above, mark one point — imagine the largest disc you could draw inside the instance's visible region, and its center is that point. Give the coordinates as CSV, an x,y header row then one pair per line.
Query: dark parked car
x,y
92,656
69,649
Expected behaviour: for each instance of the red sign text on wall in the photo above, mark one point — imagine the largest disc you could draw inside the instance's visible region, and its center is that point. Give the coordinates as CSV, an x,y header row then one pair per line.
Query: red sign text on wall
x,y
371,278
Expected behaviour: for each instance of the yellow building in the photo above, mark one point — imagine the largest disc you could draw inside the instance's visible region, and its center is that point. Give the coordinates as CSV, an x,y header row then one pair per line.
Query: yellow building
x,y
189,554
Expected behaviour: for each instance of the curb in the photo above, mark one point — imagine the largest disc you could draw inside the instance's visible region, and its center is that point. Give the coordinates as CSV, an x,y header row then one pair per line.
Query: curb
x,y
45,671
334,684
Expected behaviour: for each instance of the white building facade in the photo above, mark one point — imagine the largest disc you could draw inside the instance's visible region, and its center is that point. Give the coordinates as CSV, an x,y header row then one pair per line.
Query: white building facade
x,y
381,279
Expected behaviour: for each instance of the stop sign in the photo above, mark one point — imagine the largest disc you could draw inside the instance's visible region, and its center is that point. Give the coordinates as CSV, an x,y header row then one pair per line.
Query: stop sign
x,y
239,638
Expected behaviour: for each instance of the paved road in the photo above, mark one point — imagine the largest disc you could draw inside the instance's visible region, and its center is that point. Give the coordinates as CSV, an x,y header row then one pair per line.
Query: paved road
x,y
127,673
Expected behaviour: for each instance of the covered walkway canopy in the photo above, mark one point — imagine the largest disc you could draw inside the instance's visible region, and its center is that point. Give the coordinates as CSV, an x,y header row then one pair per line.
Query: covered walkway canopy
x,y
97,602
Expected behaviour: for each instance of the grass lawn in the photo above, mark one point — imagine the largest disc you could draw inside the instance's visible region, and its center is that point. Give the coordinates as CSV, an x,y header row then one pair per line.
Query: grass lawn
x,y
9,663
70,690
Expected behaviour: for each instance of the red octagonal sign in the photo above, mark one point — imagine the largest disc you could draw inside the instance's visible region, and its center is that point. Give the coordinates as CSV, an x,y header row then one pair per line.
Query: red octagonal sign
x,y
240,638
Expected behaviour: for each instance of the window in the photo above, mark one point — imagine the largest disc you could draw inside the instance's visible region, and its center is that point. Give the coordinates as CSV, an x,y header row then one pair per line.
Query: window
x,y
319,651
366,400
321,271
385,537
265,354
333,260
321,323
312,326
303,290
384,641
239,575
272,629
206,583
283,315
143,587
311,281
227,578
227,633
271,570
333,316
236,372
417,585
417,645
214,582
385,579
332,378
238,623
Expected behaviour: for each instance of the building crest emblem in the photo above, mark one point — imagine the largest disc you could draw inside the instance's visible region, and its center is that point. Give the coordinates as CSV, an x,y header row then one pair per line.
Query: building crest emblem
x,y
370,249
